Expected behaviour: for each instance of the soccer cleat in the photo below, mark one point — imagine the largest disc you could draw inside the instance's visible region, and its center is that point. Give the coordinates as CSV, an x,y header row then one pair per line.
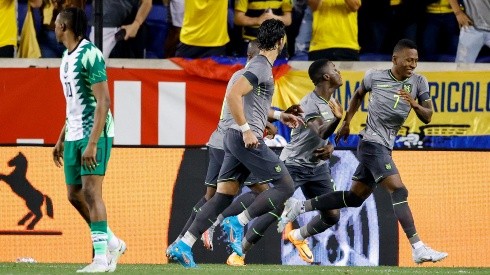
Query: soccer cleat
x,y
235,260
114,255
169,248
207,238
427,254
302,247
292,209
183,254
95,267
234,230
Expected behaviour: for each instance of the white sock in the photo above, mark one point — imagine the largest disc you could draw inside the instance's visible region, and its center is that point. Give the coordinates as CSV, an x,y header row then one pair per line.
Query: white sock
x,y
297,235
188,239
242,218
417,245
112,240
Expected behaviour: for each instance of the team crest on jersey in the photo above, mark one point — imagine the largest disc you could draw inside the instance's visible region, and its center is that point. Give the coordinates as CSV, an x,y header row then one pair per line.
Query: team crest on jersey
x,y
278,168
388,166
407,87
66,67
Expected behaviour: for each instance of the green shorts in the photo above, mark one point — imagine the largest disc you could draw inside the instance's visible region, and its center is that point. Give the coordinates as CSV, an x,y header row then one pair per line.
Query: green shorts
x,y
72,158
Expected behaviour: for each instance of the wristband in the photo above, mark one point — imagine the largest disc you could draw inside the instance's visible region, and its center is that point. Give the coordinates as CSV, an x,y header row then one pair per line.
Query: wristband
x,y
245,127
277,115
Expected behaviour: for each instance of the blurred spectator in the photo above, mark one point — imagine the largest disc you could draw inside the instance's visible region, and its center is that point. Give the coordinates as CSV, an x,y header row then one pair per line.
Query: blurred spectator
x,y
204,30
439,32
50,48
374,19
8,23
176,16
302,41
292,30
251,13
403,22
475,28
127,16
334,30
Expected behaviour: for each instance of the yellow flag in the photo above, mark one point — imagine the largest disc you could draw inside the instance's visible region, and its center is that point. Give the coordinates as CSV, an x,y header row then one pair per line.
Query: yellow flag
x,y
29,47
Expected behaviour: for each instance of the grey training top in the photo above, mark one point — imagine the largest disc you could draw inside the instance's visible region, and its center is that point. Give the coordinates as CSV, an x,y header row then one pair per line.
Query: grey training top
x,y
299,151
257,103
225,119
387,111
479,12
116,13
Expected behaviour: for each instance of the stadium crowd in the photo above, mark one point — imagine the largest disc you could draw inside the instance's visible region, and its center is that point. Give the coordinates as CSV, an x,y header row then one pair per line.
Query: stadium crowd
x,y
340,30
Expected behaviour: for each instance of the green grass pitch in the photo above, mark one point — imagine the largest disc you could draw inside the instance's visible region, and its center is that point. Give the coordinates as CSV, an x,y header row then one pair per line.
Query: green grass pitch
x,y
37,268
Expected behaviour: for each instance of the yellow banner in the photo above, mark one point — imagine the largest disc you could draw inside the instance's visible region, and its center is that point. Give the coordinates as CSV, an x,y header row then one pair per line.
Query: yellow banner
x,y
461,101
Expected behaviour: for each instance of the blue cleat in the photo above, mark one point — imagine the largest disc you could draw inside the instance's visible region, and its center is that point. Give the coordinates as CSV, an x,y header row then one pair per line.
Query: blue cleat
x,y
183,254
234,230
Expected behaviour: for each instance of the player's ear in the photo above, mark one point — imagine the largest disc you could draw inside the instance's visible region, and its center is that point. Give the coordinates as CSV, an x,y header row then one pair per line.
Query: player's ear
x,y
63,27
325,77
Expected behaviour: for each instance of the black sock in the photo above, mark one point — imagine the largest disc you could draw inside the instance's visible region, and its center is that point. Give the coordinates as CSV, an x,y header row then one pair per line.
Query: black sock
x,y
208,213
239,204
260,225
272,198
403,212
333,200
195,209
318,224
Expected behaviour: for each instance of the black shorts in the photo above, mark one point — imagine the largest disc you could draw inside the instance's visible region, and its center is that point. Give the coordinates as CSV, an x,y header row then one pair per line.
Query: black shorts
x,y
313,181
239,161
375,163
215,161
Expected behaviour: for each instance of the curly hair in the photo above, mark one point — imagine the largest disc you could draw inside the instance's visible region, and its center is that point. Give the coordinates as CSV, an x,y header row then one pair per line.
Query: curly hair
x,y
76,20
269,33
316,70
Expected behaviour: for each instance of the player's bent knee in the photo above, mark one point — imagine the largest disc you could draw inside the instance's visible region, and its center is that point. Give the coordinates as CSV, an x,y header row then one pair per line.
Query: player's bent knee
x,y
331,220
353,200
399,195
228,187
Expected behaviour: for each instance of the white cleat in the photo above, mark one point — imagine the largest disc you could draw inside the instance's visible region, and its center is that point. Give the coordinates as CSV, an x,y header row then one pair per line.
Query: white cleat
x,y
95,267
292,209
427,254
114,255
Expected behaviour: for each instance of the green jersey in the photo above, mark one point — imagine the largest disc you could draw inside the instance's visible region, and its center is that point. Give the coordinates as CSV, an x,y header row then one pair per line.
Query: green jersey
x,y
80,69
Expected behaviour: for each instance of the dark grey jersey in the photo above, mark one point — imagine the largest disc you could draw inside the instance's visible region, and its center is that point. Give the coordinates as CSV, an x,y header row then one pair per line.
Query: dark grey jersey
x,y
387,111
299,151
225,119
257,103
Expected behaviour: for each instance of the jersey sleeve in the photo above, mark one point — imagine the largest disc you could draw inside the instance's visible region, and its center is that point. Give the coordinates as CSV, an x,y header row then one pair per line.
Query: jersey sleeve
x,y
241,5
310,110
94,64
255,73
367,81
423,93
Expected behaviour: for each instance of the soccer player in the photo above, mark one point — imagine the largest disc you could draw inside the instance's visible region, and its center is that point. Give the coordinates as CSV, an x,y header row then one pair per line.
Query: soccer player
x,y
216,154
394,93
248,99
85,142
304,157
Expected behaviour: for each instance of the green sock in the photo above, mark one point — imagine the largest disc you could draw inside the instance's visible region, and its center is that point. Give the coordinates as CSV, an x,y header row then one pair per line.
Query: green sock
x,y
98,231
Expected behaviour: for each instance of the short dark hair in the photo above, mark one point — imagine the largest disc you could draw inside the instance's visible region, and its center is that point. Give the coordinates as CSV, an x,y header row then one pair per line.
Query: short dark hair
x,y
404,44
76,20
316,70
270,31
